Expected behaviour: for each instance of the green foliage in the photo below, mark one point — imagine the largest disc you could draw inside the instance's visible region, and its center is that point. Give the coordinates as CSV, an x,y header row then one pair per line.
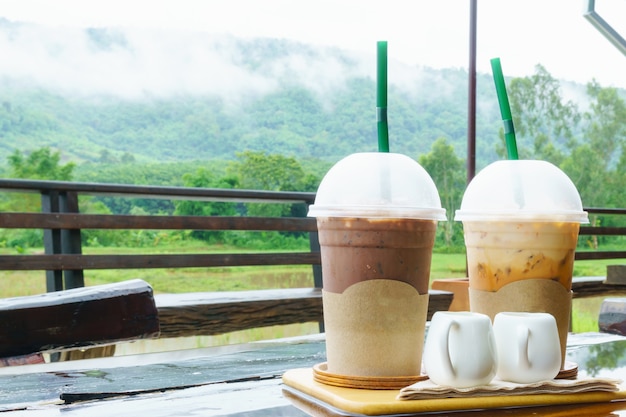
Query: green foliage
x,y
40,164
98,237
206,179
447,171
606,130
161,174
545,125
271,172
267,240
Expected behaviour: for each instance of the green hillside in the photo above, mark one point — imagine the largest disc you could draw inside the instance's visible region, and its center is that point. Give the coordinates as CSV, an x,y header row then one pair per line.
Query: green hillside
x,y
291,120
273,95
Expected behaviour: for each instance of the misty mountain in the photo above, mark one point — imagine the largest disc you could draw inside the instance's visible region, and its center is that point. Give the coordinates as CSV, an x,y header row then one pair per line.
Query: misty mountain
x,y
161,95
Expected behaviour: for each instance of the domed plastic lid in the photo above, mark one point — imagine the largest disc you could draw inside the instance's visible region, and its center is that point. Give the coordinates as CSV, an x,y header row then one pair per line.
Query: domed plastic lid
x,y
521,190
378,185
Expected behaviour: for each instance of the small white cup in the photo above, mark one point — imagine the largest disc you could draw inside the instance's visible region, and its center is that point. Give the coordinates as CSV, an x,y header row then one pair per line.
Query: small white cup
x,y
528,346
460,349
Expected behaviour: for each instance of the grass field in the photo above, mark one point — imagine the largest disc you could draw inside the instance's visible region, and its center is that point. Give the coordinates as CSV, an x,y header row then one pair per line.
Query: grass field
x,y
585,311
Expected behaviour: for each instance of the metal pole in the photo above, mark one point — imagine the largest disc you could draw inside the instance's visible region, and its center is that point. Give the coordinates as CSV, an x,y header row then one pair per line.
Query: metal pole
x,y
471,107
471,100
603,27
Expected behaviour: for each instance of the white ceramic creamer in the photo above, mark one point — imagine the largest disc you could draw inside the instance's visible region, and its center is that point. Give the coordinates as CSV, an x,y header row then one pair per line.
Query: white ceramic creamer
x,y
460,349
528,346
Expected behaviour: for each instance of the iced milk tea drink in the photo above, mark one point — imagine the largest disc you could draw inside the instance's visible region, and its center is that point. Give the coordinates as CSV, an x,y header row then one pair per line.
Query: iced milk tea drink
x,y
503,252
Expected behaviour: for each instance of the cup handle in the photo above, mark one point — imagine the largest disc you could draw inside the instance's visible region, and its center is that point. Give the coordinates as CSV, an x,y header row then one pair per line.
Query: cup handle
x,y
447,362
523,334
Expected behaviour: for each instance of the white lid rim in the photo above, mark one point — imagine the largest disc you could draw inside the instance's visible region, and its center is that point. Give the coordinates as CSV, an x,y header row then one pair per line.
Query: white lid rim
x,y
381,212
573,216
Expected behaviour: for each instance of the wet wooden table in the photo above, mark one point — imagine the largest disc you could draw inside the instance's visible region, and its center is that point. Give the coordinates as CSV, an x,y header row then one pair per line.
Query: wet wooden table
x,y
238,380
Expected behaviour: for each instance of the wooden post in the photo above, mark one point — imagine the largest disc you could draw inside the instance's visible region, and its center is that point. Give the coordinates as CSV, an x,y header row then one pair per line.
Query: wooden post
x,y
52,240
71,240
65,241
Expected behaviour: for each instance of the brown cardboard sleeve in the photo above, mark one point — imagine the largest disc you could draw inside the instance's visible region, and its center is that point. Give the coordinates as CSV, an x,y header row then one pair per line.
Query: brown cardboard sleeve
x,y
530,295
375,328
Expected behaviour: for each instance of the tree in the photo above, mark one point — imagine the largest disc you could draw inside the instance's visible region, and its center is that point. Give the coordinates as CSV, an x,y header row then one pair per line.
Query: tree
x,y
42,164
205,179
447,171
606,127
272,172
544,123
584,167
596,166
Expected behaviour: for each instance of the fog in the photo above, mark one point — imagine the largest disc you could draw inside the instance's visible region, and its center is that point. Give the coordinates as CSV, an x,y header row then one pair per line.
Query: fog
x,y
135,63
129,63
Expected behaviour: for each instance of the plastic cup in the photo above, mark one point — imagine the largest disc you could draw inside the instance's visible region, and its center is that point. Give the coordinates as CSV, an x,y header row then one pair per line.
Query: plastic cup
x,y
377,216
520,222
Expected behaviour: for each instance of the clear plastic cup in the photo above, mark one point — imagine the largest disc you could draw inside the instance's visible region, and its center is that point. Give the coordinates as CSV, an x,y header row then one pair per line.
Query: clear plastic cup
x,y
520,222
377,216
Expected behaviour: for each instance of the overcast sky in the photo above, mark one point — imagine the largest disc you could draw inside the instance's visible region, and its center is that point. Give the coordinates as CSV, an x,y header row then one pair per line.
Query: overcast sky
x,y
434,33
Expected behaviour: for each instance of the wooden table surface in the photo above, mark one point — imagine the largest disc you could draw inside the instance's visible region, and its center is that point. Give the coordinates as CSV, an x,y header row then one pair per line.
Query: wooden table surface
x,y
238,380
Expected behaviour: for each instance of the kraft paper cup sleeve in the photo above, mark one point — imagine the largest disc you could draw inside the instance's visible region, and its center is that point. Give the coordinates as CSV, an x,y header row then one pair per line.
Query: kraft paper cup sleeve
x,y
375,328
529,295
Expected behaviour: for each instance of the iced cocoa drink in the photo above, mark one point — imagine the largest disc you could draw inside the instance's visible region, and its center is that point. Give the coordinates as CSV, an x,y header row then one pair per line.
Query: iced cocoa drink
x,y
377,216
520,222
356,250
376,274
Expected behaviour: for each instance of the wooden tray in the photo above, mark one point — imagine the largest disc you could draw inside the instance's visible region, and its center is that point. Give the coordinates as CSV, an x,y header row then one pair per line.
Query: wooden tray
x,y
383,402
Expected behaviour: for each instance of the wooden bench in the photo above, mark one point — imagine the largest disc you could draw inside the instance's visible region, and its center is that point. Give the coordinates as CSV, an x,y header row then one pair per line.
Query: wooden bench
x,y
206,313
221,312
77,318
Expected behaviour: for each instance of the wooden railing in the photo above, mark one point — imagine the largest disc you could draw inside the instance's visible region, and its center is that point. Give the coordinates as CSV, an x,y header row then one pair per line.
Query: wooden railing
x,y
206,313
62,223
605,285
586,230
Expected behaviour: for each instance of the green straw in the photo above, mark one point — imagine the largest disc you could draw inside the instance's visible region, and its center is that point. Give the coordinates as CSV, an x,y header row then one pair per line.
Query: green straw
x,y
505,109
381,98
